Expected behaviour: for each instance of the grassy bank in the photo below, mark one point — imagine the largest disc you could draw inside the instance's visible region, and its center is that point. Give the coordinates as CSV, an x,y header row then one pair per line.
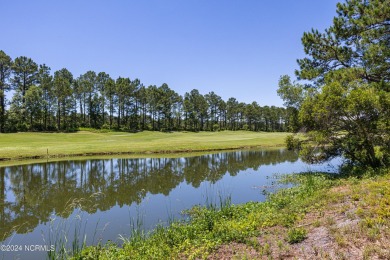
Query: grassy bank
x,y
324,217
17,146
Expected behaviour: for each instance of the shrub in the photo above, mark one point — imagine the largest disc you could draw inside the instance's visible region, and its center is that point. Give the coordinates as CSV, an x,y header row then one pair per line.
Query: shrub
x,y
293,143
106,126
296,235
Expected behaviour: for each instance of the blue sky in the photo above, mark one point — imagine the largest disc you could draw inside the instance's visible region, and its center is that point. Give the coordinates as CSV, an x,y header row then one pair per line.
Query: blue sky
x,y
236,48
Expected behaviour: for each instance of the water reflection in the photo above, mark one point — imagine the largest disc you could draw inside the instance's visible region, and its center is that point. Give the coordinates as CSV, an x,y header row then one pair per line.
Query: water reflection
x,y
30,194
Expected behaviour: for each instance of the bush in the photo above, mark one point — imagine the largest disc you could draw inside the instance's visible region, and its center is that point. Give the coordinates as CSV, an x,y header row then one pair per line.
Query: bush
x,y
293,143
106,126
296,235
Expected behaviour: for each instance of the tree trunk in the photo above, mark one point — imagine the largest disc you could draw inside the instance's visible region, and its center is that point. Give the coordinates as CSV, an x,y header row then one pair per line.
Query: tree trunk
x,y
59,116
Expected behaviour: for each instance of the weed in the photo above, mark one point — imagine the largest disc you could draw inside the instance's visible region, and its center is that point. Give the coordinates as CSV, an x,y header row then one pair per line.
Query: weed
x,y
350,215
370,250
266,249
69,236
296,235
373,234
330,221
316,223
340,240
253,242
280,244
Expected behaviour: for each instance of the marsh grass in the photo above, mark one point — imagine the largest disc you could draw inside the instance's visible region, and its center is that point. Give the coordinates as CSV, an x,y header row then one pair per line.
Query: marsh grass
x,y
8,236
69,235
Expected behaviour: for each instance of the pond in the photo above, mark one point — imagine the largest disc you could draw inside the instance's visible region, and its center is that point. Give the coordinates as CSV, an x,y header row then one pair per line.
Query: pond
x,y
101,199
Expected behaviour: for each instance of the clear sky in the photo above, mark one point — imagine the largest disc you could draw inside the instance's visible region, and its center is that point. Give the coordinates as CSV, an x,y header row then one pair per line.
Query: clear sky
x,y
236,48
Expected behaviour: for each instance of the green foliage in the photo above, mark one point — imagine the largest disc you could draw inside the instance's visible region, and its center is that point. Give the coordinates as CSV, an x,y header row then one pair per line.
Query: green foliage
x,y
350,120
296,235
358,38
34,105
292,94
216,127
347,110
5,72
63,91
25,72
293,143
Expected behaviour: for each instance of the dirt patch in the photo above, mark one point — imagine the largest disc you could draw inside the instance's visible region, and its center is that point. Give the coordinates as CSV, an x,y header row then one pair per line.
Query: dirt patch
x,y
235,251
341,189
333,233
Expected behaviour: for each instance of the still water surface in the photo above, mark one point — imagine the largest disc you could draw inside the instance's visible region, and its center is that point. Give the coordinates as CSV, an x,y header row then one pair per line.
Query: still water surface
x,y
102,199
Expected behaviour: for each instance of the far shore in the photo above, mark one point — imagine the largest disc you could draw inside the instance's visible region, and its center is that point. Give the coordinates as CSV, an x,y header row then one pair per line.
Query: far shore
x,y
19,148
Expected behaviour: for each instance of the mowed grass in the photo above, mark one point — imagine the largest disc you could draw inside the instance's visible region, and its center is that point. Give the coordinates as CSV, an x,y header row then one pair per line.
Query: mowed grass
x,y
37,145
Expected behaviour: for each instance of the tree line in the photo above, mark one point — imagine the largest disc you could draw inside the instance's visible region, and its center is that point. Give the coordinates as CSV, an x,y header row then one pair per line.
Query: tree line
x,y
42,101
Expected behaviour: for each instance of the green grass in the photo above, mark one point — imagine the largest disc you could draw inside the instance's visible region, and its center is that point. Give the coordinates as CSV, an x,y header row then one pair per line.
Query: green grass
x,y
36,145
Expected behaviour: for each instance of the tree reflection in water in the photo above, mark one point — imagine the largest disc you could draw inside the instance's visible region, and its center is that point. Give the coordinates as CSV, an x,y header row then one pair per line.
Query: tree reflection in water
x,y
30,194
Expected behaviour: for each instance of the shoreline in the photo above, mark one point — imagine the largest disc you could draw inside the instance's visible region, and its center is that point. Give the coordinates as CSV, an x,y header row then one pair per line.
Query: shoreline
x,y
184,151
322,216
21,147
4,162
